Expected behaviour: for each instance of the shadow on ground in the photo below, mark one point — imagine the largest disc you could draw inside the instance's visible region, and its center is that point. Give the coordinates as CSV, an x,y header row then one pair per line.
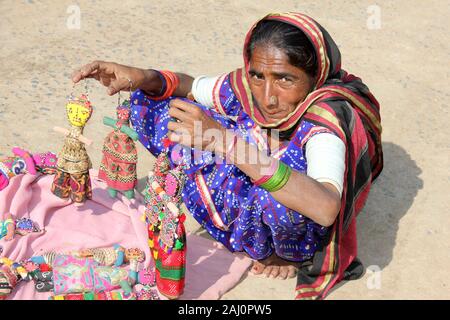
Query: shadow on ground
x,y
391,197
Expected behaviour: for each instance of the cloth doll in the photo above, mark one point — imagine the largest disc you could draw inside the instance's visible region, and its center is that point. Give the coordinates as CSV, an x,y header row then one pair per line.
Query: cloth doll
x,y
10,226
45,162
167,236
118,166
22,162
7,227
85,270
72,178
11,273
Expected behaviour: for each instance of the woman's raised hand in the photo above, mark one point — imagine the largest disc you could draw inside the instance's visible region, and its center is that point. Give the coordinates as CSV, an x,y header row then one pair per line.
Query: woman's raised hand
x,y
116,77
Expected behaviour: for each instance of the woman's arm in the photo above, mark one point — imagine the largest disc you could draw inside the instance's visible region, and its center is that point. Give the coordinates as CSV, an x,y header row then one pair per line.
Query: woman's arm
x,y
115,77
318,201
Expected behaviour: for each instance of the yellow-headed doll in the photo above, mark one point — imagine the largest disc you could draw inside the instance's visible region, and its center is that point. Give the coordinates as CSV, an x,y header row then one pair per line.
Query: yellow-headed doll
x,y
72,177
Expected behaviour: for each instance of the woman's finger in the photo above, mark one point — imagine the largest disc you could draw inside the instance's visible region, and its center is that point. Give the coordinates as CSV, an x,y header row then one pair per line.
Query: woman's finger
x,y
175,126
117,85
85,71
185,106
180,114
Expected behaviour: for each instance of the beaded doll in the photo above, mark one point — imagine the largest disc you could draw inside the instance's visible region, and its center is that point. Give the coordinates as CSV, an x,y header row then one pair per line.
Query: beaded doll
x,y
72,174
167,236
118,167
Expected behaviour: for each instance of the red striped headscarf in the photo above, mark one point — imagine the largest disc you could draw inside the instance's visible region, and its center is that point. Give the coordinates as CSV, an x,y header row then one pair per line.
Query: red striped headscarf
x,y
342,103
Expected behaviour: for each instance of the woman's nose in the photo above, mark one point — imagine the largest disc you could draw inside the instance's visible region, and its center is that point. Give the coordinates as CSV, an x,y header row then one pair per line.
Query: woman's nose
x,y
270,100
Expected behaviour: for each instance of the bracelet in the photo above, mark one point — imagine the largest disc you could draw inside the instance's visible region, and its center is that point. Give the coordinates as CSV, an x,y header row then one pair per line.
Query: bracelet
x,y
276,179
279,178
163,86
273,168
171,80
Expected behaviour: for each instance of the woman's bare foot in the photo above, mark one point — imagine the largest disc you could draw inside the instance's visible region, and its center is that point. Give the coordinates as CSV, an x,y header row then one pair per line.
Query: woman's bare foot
x,y
275,267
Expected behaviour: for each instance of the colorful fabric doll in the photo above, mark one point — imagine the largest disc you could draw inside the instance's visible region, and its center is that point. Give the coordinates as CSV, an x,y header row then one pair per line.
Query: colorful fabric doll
x,y
26,226
7,227
45,162
133,256
10,167
11,273
10,227
146,293
108,256
72,178
167,236
118,167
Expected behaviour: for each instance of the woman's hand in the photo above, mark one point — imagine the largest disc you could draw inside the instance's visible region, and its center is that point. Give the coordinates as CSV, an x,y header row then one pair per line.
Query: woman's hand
x,y
192,127
116,77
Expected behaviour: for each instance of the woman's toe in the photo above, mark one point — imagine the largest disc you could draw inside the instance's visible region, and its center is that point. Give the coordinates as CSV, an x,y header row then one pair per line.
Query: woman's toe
x,y
275,272
292,271
257,268
283,273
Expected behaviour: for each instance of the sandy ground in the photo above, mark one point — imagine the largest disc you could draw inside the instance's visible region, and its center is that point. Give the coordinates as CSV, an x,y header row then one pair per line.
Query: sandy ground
x,y
404,228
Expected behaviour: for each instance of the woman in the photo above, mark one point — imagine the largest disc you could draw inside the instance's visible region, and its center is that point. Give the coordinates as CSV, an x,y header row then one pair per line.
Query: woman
x,y
289,203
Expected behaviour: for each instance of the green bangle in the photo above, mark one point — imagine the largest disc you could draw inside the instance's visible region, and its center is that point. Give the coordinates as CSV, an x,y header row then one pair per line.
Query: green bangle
x,y
285,179
274,179
279,178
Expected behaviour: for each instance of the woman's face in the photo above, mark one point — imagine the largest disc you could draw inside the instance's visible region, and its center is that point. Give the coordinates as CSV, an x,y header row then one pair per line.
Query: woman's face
x,y
277,86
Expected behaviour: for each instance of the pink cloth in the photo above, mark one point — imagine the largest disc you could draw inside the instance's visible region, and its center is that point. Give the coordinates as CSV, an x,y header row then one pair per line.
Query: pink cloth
x,y
211,269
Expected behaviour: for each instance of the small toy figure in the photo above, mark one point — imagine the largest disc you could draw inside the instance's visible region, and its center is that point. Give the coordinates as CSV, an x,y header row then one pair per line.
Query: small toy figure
x,y
7,227
45,162
118,167
10,226
24,162
11,273
167,236
93,269
72,176
10,167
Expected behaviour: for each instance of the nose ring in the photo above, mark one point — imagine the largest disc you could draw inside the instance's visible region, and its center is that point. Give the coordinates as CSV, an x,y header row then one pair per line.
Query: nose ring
x,y
273,100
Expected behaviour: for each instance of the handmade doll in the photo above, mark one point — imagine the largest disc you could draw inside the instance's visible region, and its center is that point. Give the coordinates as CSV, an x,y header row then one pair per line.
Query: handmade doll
x,y
118,167
92,269
45,162
72,178
7,227
11,273
10,226
167,238
10,167
24,162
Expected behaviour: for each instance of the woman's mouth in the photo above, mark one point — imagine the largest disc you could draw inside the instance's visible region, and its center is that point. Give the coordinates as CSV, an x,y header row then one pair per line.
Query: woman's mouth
x,y
274,114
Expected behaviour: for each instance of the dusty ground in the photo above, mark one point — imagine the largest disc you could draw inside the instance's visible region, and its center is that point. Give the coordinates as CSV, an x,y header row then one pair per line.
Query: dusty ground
x,y
404,229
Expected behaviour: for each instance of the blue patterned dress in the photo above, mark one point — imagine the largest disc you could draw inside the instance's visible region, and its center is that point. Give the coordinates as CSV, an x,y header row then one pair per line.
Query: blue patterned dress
x,y
222,198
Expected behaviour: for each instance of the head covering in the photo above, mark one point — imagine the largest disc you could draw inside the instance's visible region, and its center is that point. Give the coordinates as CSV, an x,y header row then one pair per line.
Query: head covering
x,y
329,75
342,103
